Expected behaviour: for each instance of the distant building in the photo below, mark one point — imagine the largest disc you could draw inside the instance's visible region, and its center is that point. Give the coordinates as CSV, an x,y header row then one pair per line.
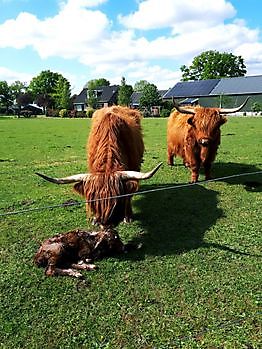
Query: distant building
x,y
135,97
106,96
226,92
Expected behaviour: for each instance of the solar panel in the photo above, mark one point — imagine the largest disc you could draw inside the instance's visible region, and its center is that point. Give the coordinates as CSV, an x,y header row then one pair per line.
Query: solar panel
x,y
192,88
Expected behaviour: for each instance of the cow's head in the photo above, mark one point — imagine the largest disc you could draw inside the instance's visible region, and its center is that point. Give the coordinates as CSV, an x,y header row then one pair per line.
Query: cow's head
x,y
206,122
107,195
108,243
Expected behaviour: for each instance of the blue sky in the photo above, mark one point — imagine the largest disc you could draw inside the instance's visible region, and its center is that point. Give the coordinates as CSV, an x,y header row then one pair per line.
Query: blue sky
x,y
137,39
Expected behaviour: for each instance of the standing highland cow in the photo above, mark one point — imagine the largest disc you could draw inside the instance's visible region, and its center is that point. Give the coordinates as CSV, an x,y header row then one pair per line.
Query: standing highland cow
x,y
115,150
196,138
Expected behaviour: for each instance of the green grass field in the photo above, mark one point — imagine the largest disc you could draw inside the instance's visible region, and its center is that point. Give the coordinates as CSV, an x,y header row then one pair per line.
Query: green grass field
x,y
196,281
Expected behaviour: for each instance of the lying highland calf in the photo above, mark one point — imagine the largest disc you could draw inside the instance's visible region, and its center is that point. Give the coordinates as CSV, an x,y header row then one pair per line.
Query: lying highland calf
x,y
196,138
66,254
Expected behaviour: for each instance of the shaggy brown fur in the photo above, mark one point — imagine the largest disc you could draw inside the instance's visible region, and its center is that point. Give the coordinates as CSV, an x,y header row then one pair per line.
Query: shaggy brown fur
x,y
65,254
194,138
115,143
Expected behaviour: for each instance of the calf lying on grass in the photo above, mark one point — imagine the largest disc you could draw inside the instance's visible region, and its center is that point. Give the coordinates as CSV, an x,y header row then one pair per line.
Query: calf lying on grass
x,y
65,254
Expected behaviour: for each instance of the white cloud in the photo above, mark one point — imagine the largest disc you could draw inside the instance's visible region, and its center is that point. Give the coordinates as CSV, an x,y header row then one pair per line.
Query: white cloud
x,y
79,31
66,34
11,76
177,14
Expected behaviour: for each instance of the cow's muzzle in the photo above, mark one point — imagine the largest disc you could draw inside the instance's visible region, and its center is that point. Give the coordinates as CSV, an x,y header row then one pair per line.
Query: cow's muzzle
x,y
204,142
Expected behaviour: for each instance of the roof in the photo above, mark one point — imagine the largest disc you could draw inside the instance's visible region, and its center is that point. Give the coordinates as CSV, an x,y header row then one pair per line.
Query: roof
x,y
192,88
215,87
81,98
136,96
240,85
104,94
107,92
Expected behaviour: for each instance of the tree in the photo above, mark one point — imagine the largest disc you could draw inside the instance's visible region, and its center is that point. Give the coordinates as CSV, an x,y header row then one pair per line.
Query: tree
x,y
24,98
214,65
150,96
44,88
6,98
17,88
124,93
139,85
62,93
95,83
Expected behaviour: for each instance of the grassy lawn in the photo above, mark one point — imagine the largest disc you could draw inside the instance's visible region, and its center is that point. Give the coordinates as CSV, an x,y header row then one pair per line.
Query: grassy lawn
x,y
196,281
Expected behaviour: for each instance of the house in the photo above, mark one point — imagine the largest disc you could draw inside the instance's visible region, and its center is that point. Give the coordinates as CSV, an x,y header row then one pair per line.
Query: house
x,y
135,97
105,95
224,92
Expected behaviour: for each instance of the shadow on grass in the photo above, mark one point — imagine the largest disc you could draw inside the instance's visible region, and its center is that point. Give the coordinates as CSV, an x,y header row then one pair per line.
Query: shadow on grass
x,y
250,182
176,220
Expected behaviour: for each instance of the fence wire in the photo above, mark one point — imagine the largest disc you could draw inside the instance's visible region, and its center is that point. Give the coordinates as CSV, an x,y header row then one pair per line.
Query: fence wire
x,y
143,192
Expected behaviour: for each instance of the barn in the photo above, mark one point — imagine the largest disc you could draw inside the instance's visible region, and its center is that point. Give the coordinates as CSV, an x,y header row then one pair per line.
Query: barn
x,y
225,92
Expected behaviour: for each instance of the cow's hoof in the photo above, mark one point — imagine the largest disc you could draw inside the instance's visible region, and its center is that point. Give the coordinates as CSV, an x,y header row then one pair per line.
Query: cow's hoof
x,y
128,220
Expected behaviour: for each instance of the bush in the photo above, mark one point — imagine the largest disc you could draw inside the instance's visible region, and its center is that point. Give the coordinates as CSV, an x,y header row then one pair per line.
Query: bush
x,y
52,112
164,113
63,113
72,113
256,107
81,114
90,112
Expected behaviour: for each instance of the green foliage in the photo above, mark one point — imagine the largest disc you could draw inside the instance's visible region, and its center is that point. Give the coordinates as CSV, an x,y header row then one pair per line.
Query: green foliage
x,y
62,94
95,83
50,89
6,97
214,65
257,107
90,112
139,85
194,283
124,93
150,96
63,113
164,113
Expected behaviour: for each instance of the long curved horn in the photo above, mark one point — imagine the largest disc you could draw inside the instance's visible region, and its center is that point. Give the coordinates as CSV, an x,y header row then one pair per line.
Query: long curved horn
x,y
183,110
233,110
66,180
139,175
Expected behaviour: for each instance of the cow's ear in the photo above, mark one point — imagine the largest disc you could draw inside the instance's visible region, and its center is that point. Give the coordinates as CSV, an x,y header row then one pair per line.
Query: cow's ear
x,y
79,188
190,121
223,120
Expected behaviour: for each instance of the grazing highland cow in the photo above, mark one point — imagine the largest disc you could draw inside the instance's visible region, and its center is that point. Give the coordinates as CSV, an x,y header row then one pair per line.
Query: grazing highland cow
x,y
115,151
66,254
196,138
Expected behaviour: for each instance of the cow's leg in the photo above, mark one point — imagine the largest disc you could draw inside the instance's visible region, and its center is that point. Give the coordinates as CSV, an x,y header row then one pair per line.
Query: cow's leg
x,y
194,167
128,211
207,169
81,265
170,156
51,270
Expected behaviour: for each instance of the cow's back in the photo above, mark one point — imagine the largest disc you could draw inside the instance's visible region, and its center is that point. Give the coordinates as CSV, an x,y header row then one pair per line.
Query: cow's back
x,y
115,140
177,128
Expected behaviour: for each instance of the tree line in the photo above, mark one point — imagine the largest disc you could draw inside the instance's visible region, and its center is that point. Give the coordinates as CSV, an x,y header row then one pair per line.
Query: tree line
x,y
52,91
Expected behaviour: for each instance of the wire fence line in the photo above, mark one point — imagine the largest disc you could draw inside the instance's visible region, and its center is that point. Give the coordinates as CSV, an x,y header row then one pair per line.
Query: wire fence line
x,y
143,192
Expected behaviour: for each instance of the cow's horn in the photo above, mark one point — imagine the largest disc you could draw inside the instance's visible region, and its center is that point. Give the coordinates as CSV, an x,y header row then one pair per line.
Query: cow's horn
x,y
139,175
233,110
183,110
66,180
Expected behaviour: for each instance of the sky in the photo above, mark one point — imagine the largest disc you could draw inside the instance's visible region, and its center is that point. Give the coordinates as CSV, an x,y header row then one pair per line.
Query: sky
x,y
136,39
